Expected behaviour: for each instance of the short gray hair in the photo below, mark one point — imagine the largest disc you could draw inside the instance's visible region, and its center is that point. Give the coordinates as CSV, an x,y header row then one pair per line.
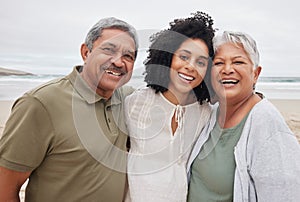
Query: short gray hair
x,y
109,23
239,38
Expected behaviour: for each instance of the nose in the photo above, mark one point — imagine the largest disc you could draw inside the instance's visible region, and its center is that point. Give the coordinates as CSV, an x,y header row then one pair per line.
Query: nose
x,y
117,60
227,69
190,65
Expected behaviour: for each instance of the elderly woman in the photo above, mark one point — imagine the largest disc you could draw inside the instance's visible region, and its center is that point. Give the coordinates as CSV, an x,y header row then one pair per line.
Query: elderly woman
x,y
247,152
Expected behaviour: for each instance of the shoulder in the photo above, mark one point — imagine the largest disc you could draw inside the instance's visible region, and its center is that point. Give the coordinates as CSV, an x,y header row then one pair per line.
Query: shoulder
x,y
36,96
124,91
207,107
202,111
141,94
264,107
265,126
51,89
140,102
45,95
265,115
142,91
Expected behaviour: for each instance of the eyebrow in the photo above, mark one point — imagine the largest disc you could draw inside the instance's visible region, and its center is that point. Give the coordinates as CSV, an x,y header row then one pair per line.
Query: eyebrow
x,y
234,57
239,56
109,44
130,52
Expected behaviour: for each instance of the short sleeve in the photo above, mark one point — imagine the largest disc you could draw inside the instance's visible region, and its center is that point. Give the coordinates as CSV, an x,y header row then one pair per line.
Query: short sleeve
x,y
27,135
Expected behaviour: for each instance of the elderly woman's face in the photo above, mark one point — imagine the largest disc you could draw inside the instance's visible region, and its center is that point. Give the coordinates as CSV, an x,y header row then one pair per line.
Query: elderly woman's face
x,y
233,74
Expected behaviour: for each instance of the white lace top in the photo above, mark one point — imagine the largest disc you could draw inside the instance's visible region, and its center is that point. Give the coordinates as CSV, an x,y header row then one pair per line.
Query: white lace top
x,y
157,158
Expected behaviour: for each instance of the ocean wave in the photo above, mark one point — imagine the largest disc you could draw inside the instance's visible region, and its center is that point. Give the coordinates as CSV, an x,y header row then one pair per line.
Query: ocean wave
x,y
30,78
274,87
279,79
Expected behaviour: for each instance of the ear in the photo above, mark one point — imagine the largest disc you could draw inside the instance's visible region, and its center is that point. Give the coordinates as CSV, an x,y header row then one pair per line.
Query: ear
x,y
84,50
257,71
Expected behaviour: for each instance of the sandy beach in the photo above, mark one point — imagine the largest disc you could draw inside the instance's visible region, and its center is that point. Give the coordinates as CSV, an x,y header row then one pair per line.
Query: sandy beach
x,y
5,107
289,109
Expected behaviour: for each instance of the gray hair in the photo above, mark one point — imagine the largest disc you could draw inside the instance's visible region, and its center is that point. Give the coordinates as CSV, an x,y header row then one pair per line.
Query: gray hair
x,y
239,38
109,23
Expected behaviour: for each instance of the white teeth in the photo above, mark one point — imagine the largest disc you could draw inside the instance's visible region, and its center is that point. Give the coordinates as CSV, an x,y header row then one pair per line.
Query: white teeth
x,y
113,73
229,81
189,78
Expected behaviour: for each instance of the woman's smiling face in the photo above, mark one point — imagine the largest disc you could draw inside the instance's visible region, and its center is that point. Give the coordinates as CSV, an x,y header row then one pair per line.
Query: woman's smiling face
x,y
188,67
233,74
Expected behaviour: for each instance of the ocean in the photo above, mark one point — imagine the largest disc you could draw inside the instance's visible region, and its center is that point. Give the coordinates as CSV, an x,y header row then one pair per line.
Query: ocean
x,y
11,87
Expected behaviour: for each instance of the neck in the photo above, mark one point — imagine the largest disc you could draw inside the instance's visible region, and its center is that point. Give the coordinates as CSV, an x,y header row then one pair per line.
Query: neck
x,y
101,92
105,94
180,99
231,114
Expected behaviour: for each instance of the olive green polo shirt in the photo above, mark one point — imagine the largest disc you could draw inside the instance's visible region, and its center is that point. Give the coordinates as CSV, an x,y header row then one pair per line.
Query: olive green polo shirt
x,y
73,141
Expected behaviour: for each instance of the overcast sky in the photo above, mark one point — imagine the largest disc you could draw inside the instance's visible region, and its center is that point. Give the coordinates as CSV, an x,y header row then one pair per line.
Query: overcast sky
x,y
45,36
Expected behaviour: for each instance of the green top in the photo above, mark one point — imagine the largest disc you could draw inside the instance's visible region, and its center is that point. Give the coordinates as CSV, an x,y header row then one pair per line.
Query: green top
x,y
56,130
212,172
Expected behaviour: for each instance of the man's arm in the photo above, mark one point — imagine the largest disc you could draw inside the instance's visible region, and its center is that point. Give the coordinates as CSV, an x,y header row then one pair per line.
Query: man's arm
x,y
10,184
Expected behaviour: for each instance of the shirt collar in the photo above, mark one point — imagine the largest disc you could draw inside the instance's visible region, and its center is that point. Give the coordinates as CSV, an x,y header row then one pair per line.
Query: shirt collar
x,y
86,92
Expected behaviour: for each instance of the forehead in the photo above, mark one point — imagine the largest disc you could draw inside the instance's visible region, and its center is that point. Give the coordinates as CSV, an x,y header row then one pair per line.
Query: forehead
x,y
117,37
196,46
230,48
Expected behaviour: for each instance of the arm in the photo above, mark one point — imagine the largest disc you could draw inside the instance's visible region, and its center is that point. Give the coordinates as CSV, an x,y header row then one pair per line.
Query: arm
x,y
276,169
10,184
22,145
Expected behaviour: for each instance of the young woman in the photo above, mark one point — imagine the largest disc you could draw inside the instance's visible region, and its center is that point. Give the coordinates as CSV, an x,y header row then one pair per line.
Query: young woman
x,y
163,119
247,152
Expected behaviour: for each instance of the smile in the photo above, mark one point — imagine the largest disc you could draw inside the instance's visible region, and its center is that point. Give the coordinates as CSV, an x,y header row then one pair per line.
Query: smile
x,y
185,77
229,81
114,73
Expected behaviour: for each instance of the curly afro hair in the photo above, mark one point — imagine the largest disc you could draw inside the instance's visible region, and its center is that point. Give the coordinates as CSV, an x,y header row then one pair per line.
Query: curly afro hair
x,y
166,42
